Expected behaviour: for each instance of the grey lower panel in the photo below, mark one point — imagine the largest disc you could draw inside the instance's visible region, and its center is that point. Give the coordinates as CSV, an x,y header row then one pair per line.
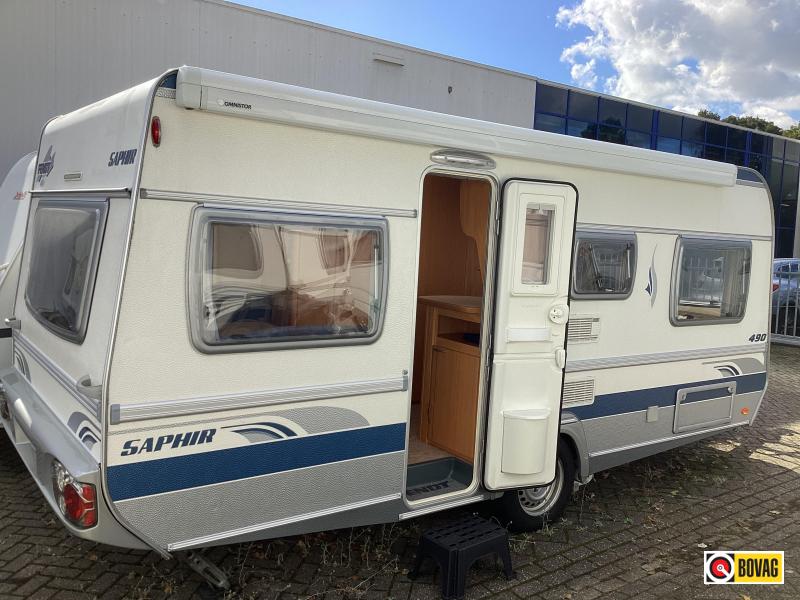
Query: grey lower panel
x,y
616,433
625,455
222,512
381,512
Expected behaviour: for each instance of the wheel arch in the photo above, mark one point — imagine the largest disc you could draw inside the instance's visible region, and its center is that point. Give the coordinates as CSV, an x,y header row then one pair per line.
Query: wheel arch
x,y
573,435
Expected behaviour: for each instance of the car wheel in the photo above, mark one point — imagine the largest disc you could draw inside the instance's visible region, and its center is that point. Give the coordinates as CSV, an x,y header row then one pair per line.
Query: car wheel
x,y
529,509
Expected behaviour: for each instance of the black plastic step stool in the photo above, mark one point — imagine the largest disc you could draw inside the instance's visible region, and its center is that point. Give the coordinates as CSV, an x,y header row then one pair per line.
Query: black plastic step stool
x,y
457,546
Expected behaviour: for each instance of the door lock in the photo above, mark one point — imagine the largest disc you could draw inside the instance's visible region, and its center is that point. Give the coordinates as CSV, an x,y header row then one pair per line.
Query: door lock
x,y
559,314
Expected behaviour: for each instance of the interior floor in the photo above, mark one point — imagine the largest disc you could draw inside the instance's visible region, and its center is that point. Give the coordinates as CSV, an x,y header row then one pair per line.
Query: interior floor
x,y
419,451
447,351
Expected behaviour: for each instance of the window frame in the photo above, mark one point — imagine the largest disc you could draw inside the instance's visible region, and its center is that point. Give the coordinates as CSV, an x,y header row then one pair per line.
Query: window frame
x,y
199,250
708,242
94,263
602,236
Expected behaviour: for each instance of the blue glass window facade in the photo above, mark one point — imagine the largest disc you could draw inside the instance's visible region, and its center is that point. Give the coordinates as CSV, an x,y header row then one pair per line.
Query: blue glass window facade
x,y
573,112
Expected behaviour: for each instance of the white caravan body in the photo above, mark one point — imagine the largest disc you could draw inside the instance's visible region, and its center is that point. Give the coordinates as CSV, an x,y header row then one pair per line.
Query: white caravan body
x,y
234,307
14,200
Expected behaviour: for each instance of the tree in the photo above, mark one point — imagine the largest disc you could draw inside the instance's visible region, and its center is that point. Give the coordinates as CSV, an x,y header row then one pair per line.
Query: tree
x,y
708,114
752,122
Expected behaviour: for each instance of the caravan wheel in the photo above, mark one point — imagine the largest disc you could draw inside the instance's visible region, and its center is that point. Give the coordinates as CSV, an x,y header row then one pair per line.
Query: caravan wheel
x,y
529,509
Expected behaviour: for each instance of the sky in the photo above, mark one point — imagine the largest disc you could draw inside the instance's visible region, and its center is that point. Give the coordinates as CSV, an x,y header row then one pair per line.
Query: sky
x,y
730,56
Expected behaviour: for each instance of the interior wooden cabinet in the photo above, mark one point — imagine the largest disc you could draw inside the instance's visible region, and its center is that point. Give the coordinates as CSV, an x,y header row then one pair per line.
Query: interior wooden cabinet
x,y
447,352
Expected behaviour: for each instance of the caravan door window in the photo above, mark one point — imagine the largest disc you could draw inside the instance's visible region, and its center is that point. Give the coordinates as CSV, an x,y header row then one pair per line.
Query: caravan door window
x,y
710,282
65,249
266,280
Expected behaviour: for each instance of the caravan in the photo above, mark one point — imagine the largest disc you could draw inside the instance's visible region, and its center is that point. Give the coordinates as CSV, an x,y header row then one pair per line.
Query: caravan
x,y
250,310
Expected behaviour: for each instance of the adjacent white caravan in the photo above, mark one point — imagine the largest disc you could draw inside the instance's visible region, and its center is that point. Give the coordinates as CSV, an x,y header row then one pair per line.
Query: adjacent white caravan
x,y
14,200
250,310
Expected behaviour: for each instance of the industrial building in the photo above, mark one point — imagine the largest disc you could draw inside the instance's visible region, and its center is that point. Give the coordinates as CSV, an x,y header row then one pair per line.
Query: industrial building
x,y
69,53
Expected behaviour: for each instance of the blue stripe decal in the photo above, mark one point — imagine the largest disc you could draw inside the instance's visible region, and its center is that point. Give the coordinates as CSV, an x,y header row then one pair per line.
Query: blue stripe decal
x,y
149,477
624,402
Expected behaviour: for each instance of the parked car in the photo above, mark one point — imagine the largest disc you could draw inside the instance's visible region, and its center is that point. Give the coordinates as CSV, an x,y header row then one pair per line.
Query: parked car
x,y
785,279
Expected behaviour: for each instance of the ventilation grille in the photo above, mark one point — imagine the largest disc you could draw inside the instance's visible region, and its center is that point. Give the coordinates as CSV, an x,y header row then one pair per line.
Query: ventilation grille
x,y
583,329
578,392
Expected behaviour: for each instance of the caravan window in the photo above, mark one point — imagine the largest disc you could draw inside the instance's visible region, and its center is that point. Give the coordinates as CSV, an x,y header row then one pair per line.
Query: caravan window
x,y
605,265
710,282
65,249
266,280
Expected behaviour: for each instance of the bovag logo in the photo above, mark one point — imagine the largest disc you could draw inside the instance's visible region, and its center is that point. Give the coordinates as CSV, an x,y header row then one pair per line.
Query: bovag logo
x,y
744,567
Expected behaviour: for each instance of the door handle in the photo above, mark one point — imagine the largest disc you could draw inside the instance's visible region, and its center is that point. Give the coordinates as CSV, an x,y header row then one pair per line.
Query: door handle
x,y
561,358
13,323
85,387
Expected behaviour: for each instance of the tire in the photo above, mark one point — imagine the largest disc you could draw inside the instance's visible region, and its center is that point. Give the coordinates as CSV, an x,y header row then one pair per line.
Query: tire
x,y
529,509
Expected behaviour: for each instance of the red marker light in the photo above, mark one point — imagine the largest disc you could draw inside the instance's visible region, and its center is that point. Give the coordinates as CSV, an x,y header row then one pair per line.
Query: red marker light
x,y
155,131
745,411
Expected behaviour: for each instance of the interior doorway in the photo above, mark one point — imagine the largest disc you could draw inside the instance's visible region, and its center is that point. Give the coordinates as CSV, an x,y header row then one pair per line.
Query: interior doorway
x,y
454,242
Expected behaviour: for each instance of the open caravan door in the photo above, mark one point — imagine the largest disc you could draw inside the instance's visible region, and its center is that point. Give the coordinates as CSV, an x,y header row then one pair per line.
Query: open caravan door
x,y
530,333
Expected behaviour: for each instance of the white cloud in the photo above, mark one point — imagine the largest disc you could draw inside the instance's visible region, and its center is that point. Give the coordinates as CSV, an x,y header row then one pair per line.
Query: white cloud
x,y
691,54
583,74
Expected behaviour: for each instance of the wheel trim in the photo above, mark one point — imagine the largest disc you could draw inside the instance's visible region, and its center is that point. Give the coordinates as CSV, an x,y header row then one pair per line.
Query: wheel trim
x,y
537,501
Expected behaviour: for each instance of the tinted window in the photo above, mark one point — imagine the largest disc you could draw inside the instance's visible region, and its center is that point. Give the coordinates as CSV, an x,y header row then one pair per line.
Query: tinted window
x,y
735,157
640,118
550,123
789,195
604,265
778,146
758,163
714,153
612,112
711,282
635,138
692,149
694,130
717,134
582,129
792,151
582,106
551,99
669,125
758,143
784,243
610,133
668,145
306,281
737,138
65,249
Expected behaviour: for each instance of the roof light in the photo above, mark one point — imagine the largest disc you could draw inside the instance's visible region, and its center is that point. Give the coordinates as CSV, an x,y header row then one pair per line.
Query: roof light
x,y
155,131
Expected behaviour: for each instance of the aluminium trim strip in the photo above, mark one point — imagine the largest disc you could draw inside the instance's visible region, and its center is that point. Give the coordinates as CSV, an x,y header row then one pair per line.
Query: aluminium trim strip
x,y
592,364
69,384
283,205
208,539
750,183
106,193
599,227
187,406
442,506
